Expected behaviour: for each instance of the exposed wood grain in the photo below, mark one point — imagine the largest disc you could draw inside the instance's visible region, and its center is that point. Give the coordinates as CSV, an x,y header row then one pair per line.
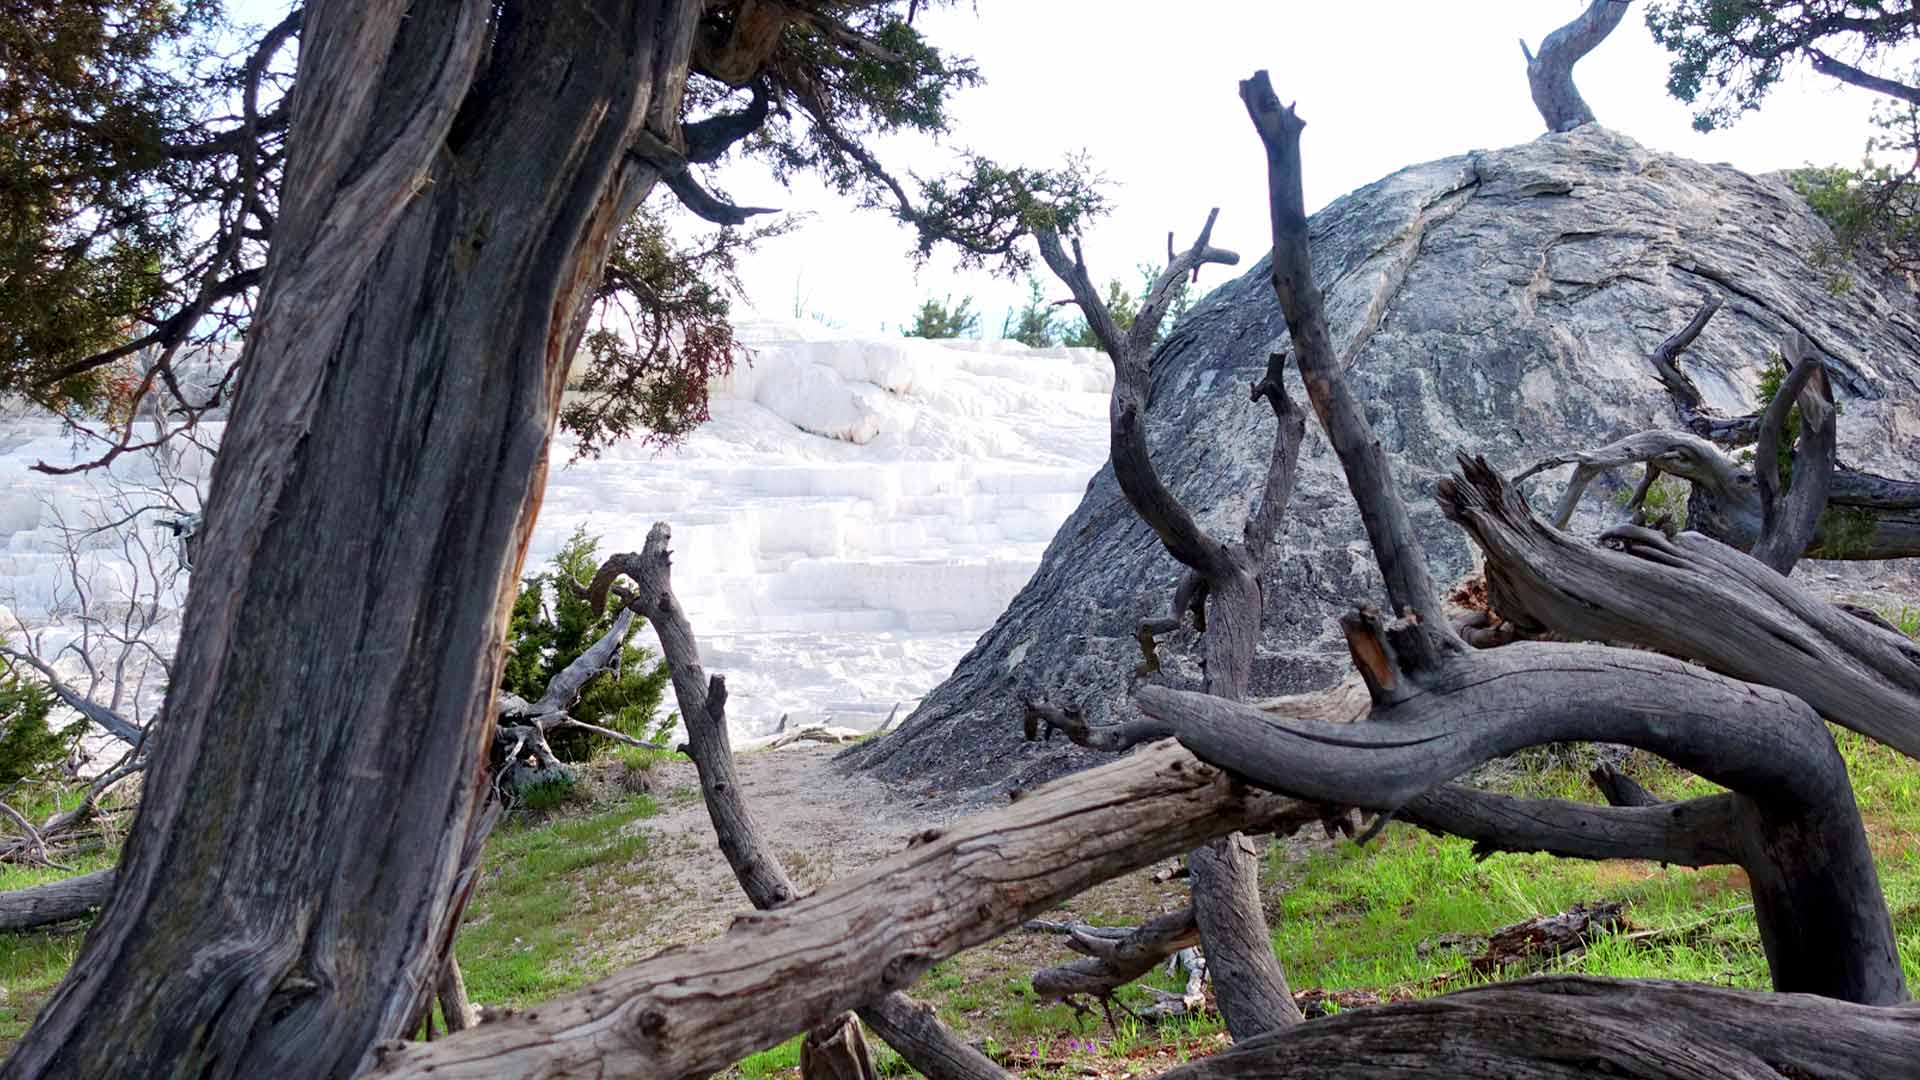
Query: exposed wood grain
x,y
1691,596
692,1011
1572,1027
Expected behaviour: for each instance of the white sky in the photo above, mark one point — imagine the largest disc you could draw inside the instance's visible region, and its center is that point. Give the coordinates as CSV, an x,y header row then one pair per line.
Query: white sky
x,y
1149,90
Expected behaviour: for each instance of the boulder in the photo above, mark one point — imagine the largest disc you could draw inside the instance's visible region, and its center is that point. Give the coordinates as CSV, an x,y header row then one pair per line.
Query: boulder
x,y
1501,303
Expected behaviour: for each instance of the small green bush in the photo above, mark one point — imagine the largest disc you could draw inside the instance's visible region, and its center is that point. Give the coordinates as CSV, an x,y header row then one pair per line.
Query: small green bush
x,y
551,626
29,748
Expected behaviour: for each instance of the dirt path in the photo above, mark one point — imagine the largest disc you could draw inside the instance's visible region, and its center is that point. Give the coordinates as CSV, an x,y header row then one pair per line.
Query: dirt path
x,y
823,824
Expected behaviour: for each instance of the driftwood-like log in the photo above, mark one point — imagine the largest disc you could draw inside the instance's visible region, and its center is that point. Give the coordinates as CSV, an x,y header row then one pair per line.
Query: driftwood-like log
x,y
1691,596
56,901
1550,73
692,1011
835,1049
1573,1027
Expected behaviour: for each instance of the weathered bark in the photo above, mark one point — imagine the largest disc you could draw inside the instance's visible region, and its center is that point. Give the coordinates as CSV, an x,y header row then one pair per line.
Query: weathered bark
x,y
1222,588
1823,920
1550,74
1691,596
835,1049
449,201
691,1011
1571,1027
56,901
1788,519
451,992
1114,958
1866,516
1698,832
1402,561
1233,930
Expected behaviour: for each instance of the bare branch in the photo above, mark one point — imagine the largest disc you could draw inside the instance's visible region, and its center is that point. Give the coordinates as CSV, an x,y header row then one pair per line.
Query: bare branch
x,y
1403,563
678,176
917,1035
106,719
1788,523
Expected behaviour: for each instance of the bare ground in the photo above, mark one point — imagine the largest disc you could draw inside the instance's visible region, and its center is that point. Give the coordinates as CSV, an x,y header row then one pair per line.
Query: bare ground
x,y
822,822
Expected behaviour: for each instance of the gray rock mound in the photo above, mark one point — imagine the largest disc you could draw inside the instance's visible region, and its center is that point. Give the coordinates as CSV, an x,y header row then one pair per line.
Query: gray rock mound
x,y
1500,303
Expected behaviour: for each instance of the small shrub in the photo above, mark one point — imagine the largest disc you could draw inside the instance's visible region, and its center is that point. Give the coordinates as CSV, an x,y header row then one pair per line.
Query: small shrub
x,y
551,626
547,796
29,747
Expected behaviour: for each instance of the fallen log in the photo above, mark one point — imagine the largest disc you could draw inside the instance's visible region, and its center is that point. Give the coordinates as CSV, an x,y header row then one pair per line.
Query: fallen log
x,y
1573,1027
695,1010
56,901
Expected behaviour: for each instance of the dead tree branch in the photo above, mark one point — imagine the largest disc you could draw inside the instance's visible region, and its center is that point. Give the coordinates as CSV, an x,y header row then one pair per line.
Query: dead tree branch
x,y
1788,520
1248,981
56,901
1568,1027
1550,74
1111,959
1823,920
1403,563
834,1048
1691,596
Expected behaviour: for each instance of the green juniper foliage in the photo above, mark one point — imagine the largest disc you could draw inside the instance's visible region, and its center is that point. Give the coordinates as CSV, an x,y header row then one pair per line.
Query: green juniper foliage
x,y
29,747
1035,324
551,626
142,144
1728,54
942,318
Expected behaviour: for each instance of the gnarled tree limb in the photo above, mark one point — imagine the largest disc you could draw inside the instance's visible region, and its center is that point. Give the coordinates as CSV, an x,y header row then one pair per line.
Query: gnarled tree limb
x,y
1691,596
1823,921
1402,560
1788,521
1550,74
1570,1027
834,1048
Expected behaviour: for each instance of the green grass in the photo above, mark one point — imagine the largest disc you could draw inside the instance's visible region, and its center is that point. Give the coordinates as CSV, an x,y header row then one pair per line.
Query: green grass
x,y
1374,918
545,888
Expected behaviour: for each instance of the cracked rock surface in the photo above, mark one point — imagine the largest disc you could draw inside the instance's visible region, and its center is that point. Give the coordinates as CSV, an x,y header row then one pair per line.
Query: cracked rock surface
x,y
1500,303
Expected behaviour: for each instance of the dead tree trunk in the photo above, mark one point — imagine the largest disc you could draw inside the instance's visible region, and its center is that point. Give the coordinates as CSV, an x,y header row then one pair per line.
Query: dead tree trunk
x,y
1550,74
448,205
1222,590
834,1049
